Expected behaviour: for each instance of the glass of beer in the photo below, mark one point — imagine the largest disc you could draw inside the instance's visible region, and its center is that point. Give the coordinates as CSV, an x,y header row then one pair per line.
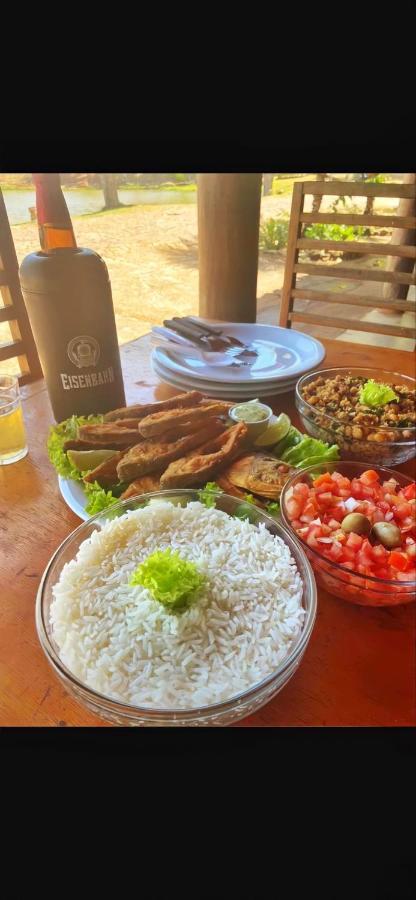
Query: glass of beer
x,y
13,445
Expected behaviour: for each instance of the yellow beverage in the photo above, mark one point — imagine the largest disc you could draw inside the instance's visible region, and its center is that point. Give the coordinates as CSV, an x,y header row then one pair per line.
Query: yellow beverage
x,y
13,444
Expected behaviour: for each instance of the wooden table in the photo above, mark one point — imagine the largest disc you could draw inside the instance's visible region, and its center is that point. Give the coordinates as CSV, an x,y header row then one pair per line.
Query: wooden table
x,y
359,667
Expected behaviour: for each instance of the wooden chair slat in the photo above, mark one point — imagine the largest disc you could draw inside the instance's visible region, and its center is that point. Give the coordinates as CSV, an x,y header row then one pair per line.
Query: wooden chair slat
x,y
403,250
12,349
7,313
387,221
373,327
354,300
358,189
354,274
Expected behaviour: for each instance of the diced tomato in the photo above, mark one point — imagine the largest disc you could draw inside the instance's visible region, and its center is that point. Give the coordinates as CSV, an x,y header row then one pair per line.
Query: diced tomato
x,y
369,477
380,554
294,508
301,491
347,565
354,541
410,491
338,513
398,561
377,516
382,572
348,553
411,551
403,510
357,489
336,551
322,479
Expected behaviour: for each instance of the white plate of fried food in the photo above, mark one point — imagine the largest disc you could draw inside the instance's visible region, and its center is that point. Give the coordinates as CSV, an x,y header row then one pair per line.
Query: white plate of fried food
x,y
183,442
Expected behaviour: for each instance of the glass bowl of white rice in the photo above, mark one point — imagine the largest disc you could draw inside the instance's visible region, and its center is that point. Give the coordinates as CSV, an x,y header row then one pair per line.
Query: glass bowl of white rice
x,y
132,660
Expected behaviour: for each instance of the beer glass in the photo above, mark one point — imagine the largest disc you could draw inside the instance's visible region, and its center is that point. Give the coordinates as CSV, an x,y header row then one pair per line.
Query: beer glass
x,y
13,445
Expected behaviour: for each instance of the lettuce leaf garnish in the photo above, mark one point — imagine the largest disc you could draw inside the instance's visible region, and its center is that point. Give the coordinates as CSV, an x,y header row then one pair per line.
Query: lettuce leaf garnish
x,y
310,448
208,494
171,580
66,431
273,507
373,393
98,498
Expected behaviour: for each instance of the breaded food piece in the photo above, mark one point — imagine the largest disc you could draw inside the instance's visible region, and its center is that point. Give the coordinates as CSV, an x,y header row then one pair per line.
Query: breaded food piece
x,y
94,445
154,454
106,472
147,484
159,422
259,473
119,437
139,410
198,467
125,423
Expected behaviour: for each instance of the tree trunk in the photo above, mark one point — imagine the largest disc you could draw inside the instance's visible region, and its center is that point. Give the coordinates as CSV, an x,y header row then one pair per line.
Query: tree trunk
x,y
401,236
267,183
228,235
109,184
317,199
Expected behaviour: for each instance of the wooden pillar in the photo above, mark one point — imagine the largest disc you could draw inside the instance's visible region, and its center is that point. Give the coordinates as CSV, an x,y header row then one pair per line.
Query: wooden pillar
x,y
401,236
228,237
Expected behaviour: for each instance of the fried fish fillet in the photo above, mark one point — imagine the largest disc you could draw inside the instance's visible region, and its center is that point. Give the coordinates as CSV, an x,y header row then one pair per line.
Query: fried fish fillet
x,y
159,422
260,474
119,437
196,468
144,485
154,454
139,410
95,445
106,472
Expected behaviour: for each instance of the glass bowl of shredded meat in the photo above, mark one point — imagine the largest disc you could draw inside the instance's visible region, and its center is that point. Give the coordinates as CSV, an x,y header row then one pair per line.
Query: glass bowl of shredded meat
x,y
369,413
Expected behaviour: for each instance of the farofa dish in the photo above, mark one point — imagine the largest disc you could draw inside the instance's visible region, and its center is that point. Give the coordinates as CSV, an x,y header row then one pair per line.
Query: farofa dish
x,y
371,416
340,398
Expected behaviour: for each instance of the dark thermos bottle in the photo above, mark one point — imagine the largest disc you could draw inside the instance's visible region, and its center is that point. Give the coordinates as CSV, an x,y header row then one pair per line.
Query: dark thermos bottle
x,y
68,298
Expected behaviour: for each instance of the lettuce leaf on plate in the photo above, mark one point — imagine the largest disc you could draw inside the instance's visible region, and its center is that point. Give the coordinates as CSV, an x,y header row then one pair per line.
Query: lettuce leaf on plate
x,y
310,449
292,438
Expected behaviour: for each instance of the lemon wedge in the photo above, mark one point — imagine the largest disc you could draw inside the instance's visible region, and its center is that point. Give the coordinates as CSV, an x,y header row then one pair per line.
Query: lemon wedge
x,y
85,460
274,432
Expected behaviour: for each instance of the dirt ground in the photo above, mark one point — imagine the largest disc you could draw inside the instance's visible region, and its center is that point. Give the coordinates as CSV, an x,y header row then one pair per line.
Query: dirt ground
x,y
152,257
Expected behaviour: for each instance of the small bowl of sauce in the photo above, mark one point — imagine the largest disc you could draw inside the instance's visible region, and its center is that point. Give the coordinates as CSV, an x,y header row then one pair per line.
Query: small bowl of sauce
x,y
254,414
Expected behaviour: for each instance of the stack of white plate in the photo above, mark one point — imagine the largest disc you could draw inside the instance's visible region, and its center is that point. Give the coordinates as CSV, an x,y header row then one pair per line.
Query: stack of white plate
x,y
283,356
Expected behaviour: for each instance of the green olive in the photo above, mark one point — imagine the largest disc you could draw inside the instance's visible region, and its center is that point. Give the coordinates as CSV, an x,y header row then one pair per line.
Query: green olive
x,y
357,523
387,533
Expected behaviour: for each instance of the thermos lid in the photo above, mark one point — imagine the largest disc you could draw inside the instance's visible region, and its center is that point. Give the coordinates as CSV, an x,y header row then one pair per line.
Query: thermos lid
x,y
40,272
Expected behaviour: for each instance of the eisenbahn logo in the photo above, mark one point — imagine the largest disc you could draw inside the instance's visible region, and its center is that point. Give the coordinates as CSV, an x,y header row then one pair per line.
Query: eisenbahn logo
x,y
83,351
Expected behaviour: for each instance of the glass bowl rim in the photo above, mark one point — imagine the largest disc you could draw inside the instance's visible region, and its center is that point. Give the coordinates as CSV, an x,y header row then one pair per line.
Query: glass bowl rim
x,y
177,712
339,369
333,564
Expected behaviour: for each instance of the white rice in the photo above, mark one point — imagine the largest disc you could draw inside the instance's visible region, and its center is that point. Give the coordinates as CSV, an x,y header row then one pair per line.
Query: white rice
x,y
120,641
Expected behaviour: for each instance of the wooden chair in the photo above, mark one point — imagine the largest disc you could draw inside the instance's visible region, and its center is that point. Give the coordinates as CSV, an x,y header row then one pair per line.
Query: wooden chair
x,y
13,309
292,292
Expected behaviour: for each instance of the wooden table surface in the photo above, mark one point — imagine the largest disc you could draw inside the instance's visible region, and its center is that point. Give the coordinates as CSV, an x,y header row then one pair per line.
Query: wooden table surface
x,y
358,669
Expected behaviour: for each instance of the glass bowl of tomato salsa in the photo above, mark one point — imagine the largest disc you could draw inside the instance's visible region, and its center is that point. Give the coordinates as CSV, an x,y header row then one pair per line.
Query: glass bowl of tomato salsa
x,y
357,567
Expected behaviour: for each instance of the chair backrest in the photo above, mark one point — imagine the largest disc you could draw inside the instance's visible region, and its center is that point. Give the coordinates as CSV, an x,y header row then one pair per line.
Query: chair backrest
x,y
13,309
292,292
